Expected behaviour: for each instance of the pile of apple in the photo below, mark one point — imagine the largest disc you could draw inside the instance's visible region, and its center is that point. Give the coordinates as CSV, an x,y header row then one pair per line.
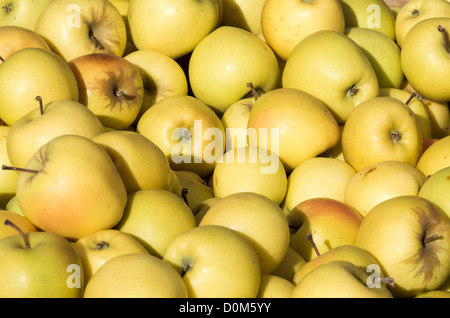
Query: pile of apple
x,y
225,148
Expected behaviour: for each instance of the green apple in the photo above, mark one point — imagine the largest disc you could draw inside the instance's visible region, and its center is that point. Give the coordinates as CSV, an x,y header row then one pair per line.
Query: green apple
x,y
71,187
436,188
333,68
21,13
382,52
381,181
197,190
45,122
317,177
110,86
370,14
31,68
155,217
415,11
285,23
8,180
273,286
193,141
250,169
381,129
140,162
289,265
97,248
258,219
15,38
413,101
177,26
225,61
435,157
338,279
215,262
136,275
424,58
244,14
285,117
39,265
327,222
409,236
19,220
74,28
161,75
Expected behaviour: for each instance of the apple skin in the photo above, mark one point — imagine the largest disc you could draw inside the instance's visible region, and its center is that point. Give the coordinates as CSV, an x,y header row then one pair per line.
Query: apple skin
x,y
244,14
197,189
435,157
74,28
21,221
31,67
289,265
23,13
136,275
436,189
110,86
8,179
273,286
395,233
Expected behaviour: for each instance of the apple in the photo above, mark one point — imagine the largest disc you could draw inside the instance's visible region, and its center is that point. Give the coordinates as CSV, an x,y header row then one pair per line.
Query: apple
x,y
225,61
336,150
434,294
250,169
15,38
21,221
381,181
289,265
426,66
31,68
285,23
436,187
177,26
338,279
110,86
8,180
175,184
13,206
409,236
415,11
197,190
189,133
39,265
328,222
413,101
97,248
22,13
273,286
435,157
349,253
317,177
139,161
244,14
203,207
161,75
371,14
136,275
155,217
286,117
74,28
381,129
258,219
45,122
383,54
215,262
71,187
333,68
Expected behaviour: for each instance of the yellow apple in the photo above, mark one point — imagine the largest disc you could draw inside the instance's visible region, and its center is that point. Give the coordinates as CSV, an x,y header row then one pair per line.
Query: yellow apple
x,y
31,68
434,294
250,169
21,13
273,286
256,218
244,14
13,206
329,222
78,27
22,222
215,262
225,61
135,275
409,237
381,181
285,118
196,189
203,207
176,26
336,150
341,78
155,217
436,189
285,23
8,180
435,157
289,265
381,129
189,133
317,177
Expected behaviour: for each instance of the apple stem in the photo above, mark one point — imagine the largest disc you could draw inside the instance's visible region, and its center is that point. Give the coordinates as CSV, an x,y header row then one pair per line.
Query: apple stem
x,y
41,106
314,246
2,59
352,91
121,93
5,167
431,238
22,234
186,265
96,42
413,94
254,92
445,36
184,192
388,281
